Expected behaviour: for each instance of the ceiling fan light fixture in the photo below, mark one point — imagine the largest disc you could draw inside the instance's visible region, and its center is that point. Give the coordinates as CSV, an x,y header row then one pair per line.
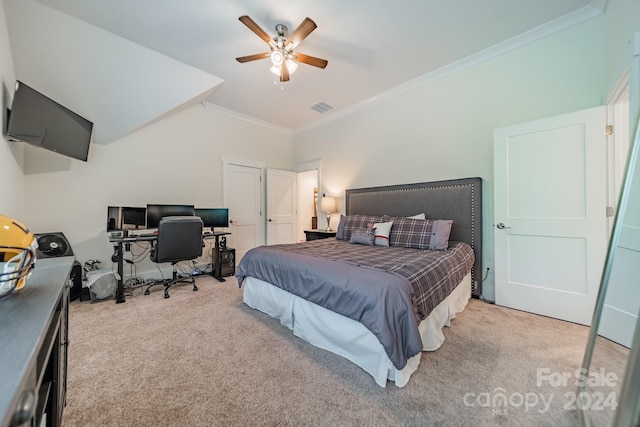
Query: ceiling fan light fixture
x,y
291,66
277,58
282,46
275,69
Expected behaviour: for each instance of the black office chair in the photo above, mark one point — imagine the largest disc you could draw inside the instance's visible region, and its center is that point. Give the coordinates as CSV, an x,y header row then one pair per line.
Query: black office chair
x,y
179,239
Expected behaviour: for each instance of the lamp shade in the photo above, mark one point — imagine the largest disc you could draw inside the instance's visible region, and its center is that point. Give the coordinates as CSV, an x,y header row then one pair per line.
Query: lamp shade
x,y
328,204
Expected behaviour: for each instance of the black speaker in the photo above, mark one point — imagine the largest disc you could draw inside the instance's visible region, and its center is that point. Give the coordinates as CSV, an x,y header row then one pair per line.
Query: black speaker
x,y
52,245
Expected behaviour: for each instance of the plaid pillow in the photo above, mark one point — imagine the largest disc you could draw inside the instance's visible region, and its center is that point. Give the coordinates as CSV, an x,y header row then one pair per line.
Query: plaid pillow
x,y
349,223
420,233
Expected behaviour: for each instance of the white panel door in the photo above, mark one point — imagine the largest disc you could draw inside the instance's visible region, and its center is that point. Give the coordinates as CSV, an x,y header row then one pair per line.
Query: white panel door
x,y
242,196
550,214
281,206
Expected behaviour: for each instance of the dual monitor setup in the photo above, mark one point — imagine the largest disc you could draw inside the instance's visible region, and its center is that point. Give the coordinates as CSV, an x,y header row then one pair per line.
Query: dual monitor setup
x,y
137,218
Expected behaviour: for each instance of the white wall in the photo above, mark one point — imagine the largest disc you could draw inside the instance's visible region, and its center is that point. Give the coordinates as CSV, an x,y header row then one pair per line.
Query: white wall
x,y
175,160
11,154
621,21
444,129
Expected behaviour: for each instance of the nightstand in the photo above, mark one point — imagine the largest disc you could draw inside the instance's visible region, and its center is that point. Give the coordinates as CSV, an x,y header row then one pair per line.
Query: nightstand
x,y
316,234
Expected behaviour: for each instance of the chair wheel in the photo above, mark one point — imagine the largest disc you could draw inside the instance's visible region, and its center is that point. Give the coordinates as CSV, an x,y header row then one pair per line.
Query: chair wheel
x,y
147,292
166,295
195,288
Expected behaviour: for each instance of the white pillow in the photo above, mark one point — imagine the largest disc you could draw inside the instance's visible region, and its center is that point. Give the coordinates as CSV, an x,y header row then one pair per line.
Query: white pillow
x,y
382,230
419,216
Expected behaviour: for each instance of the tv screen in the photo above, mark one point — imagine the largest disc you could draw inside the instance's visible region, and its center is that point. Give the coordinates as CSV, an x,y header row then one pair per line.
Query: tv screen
x,y
42,122
133,217
156,212
214,217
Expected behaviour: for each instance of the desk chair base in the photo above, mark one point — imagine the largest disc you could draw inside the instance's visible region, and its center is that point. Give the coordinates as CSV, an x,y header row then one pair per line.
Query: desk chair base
x,y
167,283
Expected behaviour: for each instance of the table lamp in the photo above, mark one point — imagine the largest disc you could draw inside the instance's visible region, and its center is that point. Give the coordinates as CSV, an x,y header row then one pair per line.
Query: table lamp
x,y
328,205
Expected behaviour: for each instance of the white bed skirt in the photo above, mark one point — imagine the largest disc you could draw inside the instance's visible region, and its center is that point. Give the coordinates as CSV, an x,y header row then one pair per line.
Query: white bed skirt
x,y
349,338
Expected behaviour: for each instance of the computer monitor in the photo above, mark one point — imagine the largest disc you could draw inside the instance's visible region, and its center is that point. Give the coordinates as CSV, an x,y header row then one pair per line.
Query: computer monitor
x,y
156,212
133,218
113,218
213,217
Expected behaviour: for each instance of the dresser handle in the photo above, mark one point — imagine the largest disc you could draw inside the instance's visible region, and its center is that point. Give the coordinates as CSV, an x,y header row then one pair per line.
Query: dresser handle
x,y
26,408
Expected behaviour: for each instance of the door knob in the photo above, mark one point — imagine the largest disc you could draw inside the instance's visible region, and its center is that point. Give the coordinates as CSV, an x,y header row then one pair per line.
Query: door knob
x,y
269,219
501,226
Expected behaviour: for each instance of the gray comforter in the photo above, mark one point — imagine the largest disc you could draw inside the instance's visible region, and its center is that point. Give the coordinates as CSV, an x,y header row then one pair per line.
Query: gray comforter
x,y
387,289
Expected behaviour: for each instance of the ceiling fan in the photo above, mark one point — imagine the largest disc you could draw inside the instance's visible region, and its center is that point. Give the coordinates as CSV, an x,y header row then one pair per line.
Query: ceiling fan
x,y
284,60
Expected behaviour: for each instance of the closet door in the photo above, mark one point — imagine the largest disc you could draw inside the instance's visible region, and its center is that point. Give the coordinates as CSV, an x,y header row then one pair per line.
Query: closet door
x,y
242,195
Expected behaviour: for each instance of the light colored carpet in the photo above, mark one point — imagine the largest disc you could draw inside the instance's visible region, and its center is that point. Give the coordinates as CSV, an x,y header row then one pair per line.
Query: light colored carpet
x,y
206,359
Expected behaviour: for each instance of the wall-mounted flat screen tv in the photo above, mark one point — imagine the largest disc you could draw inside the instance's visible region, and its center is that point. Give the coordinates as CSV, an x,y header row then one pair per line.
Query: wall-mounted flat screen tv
x,y
42,122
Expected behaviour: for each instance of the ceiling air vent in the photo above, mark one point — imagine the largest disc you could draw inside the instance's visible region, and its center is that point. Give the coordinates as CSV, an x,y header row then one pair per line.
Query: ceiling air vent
x,y
321,107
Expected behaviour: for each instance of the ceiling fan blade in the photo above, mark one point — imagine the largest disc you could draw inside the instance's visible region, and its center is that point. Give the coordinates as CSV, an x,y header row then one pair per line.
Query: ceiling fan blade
x,y
300,33
310,60
255,28
255,57
284,73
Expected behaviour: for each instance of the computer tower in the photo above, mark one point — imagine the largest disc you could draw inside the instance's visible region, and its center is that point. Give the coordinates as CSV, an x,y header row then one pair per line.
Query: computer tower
x,y
227,261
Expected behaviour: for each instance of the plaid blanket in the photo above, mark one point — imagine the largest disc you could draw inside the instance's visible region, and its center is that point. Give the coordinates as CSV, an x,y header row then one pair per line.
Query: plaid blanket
x,y
432,274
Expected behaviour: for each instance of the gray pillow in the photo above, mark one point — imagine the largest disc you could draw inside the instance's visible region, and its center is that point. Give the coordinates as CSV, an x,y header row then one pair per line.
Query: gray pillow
x,y
363,236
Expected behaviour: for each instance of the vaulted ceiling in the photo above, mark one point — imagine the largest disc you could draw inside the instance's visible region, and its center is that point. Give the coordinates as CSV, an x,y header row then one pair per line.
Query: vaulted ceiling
x,y
125,63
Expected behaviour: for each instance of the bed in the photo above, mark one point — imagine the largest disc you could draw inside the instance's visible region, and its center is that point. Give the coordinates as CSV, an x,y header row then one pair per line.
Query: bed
x,y
377,305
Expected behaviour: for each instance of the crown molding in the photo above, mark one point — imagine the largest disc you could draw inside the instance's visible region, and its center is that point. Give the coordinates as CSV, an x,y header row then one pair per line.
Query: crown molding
x,y
230,113
571,19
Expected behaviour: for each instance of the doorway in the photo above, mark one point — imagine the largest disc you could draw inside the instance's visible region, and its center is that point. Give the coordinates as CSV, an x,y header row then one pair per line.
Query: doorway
x,y
307,202
309,178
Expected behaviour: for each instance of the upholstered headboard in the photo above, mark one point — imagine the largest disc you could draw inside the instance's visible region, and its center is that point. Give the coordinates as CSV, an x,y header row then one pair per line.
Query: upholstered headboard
x,y
457,199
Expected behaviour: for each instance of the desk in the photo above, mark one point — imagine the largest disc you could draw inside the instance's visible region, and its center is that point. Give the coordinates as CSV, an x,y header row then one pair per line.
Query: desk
x,y
118,252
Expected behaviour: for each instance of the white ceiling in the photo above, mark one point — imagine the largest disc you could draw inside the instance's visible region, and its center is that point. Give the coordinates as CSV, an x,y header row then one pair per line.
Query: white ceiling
x,y
372,46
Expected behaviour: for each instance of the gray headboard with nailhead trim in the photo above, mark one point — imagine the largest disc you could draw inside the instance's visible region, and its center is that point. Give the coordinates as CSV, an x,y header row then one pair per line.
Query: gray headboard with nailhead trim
x,y
457,199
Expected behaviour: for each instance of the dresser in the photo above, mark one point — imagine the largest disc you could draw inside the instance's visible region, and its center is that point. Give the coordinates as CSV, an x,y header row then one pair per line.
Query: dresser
x,y
33,338
316,234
